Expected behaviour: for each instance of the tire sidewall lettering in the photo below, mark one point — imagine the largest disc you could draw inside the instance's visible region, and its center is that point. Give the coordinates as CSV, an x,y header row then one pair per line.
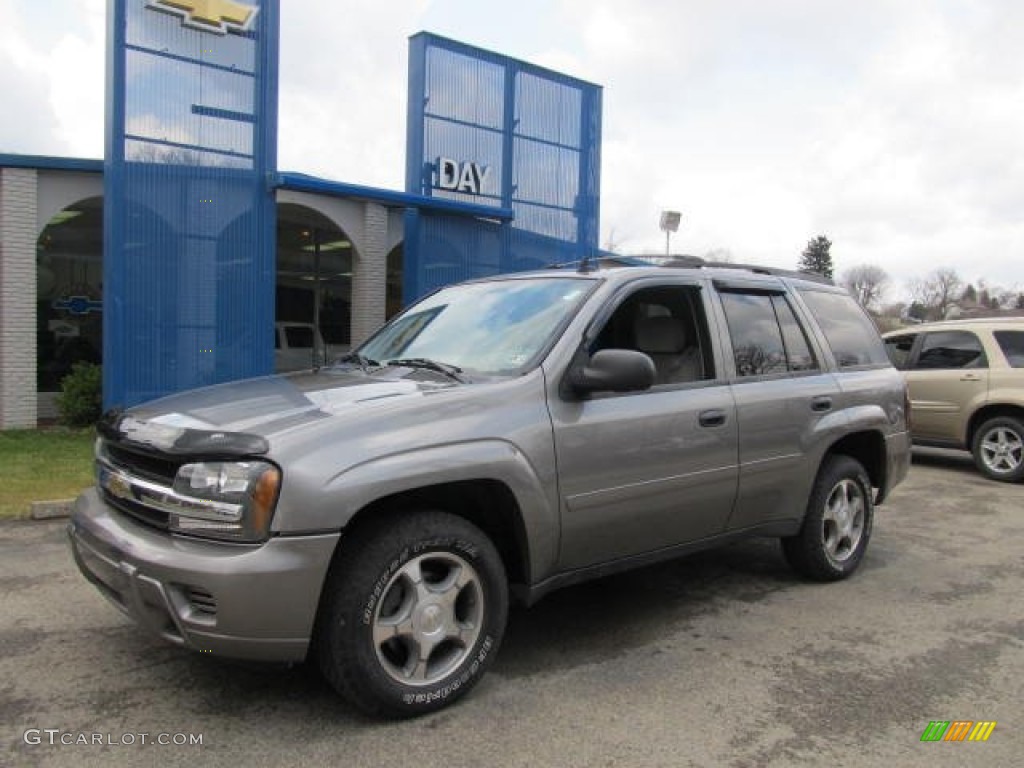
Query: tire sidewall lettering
x,y
381,583
443,692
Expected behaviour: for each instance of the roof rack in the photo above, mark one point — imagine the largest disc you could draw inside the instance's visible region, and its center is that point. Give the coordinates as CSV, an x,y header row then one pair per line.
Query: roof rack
x,y
591,263
696,262
683,261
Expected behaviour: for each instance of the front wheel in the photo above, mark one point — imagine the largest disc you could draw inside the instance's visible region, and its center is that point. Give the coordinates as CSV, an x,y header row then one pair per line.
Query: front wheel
x,y
413,613
836,529
998,449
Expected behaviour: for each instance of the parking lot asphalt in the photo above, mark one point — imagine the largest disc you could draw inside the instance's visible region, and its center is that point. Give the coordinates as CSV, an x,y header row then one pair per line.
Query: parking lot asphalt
x,y
721,659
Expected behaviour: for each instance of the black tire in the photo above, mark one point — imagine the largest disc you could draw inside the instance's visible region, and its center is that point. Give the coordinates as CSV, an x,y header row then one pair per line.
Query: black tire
x,y
837,526
998,449
433,581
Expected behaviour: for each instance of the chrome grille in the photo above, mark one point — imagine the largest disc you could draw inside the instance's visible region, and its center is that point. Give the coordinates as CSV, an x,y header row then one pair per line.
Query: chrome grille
x,y
156,468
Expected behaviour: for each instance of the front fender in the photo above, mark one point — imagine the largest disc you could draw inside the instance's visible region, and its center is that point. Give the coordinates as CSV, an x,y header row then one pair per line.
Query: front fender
x,y
332,505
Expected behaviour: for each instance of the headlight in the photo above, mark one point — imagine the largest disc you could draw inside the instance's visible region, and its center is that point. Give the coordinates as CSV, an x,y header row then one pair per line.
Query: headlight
x,y
232,500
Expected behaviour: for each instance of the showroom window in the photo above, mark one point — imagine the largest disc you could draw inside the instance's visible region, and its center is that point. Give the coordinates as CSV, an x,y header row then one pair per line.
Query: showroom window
x,y
69,292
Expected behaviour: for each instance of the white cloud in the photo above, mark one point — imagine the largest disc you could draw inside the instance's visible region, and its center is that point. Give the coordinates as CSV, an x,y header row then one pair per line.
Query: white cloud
x,y
893,126
51,77
77,87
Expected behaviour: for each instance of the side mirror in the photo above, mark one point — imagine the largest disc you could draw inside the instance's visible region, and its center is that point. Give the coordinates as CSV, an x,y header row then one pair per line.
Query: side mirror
x,y
614,370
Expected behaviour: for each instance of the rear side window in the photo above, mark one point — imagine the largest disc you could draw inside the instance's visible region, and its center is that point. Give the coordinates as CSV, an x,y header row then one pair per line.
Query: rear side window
x,y
766,336
950,349
1012,344
852,336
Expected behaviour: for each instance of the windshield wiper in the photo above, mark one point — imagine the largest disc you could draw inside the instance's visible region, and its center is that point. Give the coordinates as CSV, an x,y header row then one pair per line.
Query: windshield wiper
x,y
451,371
364,363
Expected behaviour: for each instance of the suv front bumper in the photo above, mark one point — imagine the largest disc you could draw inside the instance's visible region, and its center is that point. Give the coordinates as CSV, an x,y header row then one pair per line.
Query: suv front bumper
x,y
249,602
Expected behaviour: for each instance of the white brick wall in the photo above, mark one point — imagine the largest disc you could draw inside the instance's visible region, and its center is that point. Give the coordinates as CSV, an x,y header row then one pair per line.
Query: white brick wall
x,y
369,274
18,234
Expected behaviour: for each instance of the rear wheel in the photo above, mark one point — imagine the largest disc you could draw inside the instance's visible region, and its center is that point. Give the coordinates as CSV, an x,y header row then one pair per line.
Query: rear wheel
x,y
998,449
837,527
413,613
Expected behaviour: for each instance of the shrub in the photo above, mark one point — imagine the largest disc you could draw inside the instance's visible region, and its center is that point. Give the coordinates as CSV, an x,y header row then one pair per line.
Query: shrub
x,y
81,399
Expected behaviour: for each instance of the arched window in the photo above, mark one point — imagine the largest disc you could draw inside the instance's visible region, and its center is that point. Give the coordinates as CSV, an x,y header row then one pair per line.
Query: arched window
x,y
69,292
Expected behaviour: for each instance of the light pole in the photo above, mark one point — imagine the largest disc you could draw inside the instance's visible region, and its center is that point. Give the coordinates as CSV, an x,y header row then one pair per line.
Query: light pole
x,y
669,223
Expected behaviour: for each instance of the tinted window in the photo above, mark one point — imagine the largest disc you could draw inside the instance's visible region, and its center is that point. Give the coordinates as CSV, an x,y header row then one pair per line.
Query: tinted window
x,y
850,333
950,349
898,349
757,343
1012,344
798,351
299,336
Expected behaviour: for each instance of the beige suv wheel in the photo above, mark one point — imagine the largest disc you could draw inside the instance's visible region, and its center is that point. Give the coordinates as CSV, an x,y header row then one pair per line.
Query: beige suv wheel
x,y
999,449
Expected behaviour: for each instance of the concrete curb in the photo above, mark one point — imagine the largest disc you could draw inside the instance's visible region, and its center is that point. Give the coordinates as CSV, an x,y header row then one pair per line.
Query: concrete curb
x,y
50,510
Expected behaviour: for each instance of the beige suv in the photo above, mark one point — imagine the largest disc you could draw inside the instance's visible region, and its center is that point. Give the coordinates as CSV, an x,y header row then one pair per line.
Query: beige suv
x,y
966,380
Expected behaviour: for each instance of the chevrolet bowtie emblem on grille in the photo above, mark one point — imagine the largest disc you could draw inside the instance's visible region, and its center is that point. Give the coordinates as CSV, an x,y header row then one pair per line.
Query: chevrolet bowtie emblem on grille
x,y
220,16
117,486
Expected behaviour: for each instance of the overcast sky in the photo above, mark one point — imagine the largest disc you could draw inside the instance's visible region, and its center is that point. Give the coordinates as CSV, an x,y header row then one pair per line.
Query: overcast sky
x,y
894,127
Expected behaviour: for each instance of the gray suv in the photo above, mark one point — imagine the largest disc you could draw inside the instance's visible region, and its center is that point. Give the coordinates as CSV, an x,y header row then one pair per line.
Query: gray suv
x,y
497,440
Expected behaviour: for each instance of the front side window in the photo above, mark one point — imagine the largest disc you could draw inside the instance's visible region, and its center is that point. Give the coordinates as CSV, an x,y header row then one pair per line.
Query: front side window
x,y
666,323
766,336
1012,344
851,335
950,349
491,328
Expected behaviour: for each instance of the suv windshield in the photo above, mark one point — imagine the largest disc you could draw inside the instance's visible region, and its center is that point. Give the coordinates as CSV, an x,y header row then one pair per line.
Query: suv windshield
x,y
490,328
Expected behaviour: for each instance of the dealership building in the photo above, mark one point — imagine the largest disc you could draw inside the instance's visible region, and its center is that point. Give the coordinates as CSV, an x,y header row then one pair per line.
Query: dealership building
x,y
186,257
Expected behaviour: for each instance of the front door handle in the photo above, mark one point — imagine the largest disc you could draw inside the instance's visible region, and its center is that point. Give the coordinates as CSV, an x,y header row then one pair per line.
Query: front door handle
x,y
712,418
821,403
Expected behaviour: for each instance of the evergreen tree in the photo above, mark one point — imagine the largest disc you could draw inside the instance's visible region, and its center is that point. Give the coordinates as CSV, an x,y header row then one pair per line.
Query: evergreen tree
x,y
816,257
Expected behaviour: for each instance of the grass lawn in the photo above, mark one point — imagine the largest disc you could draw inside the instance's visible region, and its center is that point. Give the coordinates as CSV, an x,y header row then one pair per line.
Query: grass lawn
x,y
43,465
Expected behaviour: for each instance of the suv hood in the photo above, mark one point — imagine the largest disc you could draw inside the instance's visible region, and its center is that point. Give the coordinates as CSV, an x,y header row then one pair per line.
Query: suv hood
x,y
238,417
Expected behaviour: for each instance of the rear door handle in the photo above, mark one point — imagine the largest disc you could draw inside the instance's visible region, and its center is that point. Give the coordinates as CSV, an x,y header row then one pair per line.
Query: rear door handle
x,y
821,403
712,418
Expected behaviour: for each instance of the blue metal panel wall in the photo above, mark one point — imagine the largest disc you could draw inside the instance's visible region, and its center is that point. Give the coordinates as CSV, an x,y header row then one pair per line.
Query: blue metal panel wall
x,y
189,268
490,130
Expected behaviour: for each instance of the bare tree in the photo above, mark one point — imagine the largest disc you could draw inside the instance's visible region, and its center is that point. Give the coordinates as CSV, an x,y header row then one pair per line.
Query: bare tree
x,y
867,283
938,291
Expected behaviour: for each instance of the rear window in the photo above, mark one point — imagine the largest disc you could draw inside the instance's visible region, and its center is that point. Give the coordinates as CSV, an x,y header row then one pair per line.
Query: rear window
x,y
849,331
1012,344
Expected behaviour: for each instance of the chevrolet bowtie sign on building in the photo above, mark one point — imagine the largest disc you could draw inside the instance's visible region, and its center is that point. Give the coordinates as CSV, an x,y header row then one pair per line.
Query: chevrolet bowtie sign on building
x,y
220,16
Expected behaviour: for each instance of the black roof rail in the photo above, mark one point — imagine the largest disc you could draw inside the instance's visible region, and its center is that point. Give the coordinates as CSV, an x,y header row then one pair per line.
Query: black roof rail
x,y
696,262
683,261
591,263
